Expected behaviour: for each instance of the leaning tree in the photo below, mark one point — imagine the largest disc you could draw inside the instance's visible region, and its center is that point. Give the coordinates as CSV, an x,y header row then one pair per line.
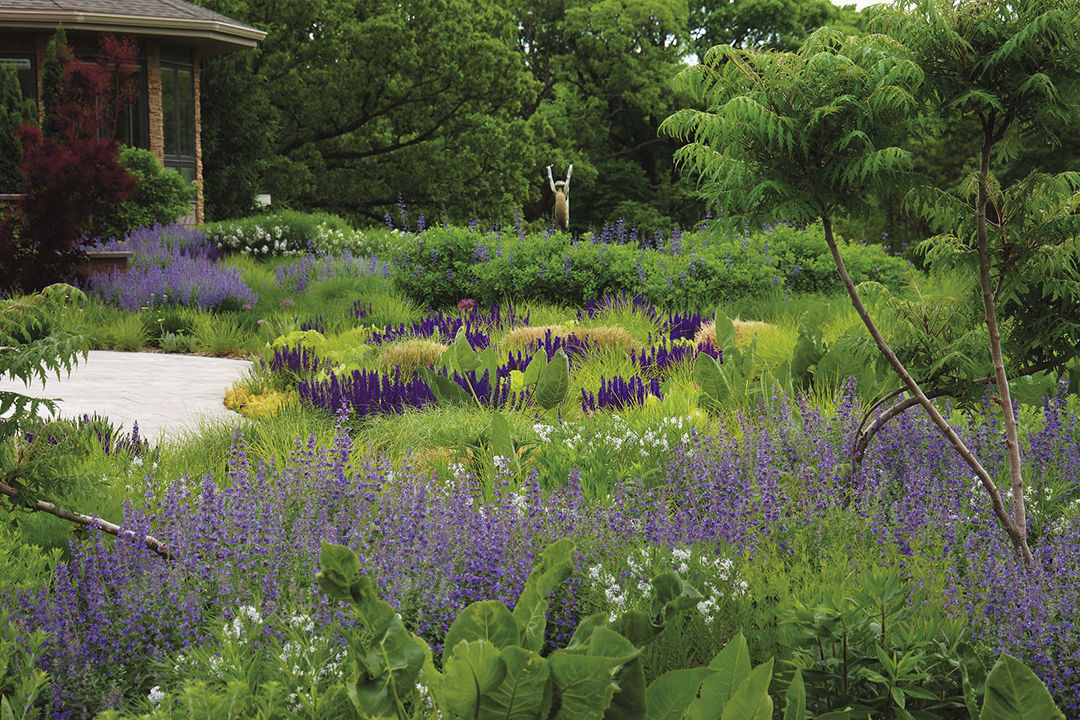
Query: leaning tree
x,y
812,134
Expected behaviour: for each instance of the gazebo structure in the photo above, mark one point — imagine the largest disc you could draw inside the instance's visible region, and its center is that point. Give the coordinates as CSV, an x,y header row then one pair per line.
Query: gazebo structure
x,y
172,36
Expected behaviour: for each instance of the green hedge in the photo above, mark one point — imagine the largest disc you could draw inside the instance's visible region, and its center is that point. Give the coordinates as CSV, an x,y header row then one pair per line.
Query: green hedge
x,y
443,265
161,196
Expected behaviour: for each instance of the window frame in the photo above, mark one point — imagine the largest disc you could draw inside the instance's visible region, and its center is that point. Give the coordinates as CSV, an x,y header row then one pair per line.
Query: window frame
x,y
178,162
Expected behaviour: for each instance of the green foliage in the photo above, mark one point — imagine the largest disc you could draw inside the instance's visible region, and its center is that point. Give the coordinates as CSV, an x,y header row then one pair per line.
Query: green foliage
x,y
1014,692
491,666
422,100
738,380
875,652
52,76
32,349
23,565
798,136
20,681
443,265
14,111
160,196
763,23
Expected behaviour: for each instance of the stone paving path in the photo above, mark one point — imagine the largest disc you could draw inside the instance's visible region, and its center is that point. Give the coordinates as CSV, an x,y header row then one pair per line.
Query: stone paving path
x,y
168,395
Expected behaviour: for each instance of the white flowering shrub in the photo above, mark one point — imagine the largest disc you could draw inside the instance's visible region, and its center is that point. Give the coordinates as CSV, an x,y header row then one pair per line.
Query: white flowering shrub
x,y
628,585
291,233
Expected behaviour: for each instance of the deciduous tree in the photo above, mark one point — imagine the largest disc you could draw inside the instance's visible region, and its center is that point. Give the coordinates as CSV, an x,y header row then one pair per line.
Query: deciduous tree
x,y
806,135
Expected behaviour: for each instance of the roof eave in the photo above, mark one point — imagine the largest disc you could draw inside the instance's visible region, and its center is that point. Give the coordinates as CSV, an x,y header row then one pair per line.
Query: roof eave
x,y
212,35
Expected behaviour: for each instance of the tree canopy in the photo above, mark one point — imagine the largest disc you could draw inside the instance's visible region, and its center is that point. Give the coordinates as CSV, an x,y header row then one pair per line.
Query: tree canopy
x,y
456,108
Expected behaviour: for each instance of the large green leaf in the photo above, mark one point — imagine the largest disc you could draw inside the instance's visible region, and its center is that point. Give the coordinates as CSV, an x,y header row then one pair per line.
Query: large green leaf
x,y
500,438
484,620
628,703
526,692
339,569
465,358
443,388
803,358
556,563
536,367
489,362
710,379
731,667
583,685
795,698
670,694
475,668
672,594
1013,692
554,382
751,701
725,332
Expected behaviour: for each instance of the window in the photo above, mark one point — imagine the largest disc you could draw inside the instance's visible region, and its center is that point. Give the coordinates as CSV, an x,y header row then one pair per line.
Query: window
x,y
178,108
134,122
24,69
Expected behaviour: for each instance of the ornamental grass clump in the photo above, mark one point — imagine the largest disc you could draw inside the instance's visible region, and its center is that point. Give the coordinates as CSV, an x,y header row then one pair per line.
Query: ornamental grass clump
x,y
297,276
404,356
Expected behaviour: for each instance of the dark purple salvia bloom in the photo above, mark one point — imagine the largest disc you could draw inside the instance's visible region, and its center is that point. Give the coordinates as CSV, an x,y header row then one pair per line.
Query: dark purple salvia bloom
x,y
575,346
294,361
619,392
366,392
657,360
317,324
361,310
478,325
683,325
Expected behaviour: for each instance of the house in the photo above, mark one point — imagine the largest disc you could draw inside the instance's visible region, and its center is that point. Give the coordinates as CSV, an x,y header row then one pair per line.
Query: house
x,y
172,36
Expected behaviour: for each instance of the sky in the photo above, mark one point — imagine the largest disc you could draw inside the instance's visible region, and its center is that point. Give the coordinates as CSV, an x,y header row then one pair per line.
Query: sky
x,y
860,3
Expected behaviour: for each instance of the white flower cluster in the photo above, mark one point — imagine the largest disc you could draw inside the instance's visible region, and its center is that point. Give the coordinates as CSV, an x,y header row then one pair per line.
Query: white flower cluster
x,y
296,659
543,431
718,577
236,629
256,241
650,439
156,696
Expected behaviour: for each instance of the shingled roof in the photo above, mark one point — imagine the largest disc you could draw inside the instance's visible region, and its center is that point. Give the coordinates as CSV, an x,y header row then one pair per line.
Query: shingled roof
x,y
159,18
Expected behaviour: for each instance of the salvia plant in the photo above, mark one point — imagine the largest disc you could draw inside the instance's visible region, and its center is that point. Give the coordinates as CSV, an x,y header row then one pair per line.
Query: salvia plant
x,y
619,392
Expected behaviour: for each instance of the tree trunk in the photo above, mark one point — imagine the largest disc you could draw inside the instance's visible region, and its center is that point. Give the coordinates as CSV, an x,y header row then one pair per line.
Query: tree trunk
x,y
1001,382
80,519
1016,533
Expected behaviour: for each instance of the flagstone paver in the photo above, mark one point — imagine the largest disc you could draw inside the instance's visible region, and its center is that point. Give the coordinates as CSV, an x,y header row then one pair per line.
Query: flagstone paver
x,y
168,395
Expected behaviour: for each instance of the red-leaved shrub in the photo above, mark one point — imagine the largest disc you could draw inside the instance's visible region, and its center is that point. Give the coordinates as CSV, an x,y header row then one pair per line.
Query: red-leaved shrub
x,y
71,173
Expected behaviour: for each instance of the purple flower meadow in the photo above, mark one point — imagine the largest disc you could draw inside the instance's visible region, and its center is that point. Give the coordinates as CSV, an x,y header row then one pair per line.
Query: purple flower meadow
x,y
172,265
252,537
